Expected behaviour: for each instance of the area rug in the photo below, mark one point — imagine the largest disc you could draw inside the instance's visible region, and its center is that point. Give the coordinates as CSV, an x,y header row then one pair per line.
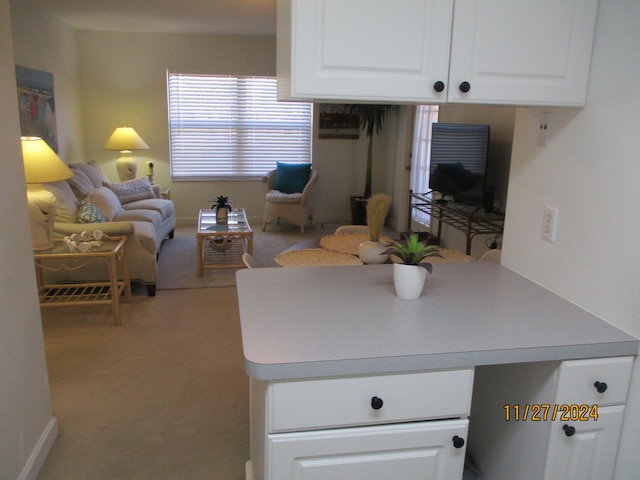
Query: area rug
x,y
178,263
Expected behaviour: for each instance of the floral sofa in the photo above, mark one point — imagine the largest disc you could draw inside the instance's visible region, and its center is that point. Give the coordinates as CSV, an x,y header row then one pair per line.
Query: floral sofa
x,y
88,201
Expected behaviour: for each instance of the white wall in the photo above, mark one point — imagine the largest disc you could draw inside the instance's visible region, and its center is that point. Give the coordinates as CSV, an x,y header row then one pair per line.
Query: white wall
x,y
27,427
123,82
590,171
42,43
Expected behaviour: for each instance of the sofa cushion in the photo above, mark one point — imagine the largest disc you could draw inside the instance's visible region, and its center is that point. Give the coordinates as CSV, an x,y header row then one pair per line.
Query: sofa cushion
x,y
292,177
91,170
165,207
66,202
106,201
90,213
149,216
80,183
132,190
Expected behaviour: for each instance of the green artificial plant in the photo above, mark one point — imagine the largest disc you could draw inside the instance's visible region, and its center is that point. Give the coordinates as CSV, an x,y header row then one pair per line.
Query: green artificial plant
x,y
412,251
221,202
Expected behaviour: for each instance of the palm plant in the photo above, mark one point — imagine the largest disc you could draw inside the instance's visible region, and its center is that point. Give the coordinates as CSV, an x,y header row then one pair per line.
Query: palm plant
x,y
371,120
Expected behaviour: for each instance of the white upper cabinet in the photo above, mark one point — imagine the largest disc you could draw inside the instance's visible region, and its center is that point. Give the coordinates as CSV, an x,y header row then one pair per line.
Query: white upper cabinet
x,y
522,52
422,51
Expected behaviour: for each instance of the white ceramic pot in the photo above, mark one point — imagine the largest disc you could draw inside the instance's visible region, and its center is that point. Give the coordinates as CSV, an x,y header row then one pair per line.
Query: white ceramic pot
x,y
408,280
370,252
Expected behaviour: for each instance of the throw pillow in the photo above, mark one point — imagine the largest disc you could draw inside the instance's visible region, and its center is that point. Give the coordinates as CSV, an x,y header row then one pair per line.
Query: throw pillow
x,y
91,170
132,190
89,213
66,201
80,183
292,177
106,201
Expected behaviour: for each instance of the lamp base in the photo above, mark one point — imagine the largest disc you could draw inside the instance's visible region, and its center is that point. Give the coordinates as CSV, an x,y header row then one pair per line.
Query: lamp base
x,y
126,166
42,212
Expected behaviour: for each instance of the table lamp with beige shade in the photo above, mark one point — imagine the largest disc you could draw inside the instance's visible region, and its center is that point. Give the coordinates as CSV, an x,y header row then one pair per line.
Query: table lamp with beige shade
x,y
125,140
41,165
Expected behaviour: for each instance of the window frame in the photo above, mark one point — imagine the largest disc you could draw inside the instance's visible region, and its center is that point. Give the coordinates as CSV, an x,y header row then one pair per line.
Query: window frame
x,y
241,140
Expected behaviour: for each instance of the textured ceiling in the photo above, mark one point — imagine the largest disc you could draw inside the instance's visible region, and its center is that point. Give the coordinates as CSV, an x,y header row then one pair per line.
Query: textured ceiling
x,y
224,17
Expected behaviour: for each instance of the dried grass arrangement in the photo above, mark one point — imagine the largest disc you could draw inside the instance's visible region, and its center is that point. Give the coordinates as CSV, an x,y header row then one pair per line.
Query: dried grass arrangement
x,y
377,209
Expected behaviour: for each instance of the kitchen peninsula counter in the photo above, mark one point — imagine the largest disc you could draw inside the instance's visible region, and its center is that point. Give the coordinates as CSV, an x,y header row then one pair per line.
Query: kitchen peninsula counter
x,y
348,381
312,322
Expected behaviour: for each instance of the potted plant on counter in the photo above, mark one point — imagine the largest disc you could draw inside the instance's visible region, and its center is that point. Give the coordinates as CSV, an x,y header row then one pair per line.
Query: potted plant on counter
x,y
222,207
410,273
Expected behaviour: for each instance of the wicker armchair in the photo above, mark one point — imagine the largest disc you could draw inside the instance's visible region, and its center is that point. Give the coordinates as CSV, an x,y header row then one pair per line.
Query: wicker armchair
x,y
292,206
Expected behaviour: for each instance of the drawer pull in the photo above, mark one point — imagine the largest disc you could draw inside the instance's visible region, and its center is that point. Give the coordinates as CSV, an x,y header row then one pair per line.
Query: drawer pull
x,y
601,387
569,430
376,403
458,442
464,87
438,86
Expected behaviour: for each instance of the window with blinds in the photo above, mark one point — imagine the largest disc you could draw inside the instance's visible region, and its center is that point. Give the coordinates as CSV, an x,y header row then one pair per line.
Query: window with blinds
x,y
233,128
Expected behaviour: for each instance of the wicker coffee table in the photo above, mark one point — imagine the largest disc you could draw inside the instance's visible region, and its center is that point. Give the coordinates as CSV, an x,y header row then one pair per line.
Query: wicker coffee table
x,y
222,245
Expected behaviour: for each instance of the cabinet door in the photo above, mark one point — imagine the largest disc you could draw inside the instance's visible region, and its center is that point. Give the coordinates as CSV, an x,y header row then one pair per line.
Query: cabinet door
x,y
363,49
414,451
525,52
590,452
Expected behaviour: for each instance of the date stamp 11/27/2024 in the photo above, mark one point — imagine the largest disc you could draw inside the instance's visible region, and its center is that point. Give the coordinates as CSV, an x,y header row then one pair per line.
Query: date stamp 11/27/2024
x,y
542,412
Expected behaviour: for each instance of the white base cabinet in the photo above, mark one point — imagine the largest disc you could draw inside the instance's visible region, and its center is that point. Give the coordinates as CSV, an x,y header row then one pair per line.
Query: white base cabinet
x,y
549,420
589,453
361,428
527,52
413,451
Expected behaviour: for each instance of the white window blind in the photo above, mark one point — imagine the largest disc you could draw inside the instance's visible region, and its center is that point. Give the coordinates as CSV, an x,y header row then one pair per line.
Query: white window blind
x,y
233,128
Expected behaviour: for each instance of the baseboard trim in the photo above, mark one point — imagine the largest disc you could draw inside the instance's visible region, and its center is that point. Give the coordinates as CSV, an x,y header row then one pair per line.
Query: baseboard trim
x,y
248,470
41,451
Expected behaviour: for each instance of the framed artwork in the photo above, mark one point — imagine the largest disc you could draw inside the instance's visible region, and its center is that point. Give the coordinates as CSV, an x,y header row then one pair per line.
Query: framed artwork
x,y
37,105
336,122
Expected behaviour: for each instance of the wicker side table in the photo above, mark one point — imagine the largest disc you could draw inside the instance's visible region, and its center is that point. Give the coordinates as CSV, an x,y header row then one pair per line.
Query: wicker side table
x,y
113,254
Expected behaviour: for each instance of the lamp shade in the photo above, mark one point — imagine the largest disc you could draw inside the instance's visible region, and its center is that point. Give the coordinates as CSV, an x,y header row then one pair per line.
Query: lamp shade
x,y
125,138
41,164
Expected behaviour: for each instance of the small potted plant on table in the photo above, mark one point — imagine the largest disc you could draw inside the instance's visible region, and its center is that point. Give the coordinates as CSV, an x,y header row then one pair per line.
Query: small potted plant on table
x,y
410,274
222,207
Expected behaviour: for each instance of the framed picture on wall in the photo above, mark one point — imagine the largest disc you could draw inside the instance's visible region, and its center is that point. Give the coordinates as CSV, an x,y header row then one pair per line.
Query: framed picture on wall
x,y
37,105
336,122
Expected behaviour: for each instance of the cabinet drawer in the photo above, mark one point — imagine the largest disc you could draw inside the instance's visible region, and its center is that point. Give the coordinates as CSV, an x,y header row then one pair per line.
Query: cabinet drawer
x,y
411,451
577,381
342,402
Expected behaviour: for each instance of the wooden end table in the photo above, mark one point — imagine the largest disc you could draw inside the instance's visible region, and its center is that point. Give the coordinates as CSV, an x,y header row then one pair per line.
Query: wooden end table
x,y
222,245
113,253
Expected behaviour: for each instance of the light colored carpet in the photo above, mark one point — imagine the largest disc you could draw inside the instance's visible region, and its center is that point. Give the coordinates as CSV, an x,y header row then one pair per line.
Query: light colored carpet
x,y
165,395
178,263
162,397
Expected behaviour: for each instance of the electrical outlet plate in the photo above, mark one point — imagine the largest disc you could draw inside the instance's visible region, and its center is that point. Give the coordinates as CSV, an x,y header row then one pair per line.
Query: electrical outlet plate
x,y
550,223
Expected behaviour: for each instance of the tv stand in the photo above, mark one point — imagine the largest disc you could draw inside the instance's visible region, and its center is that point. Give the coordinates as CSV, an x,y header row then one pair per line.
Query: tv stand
x,y
471,219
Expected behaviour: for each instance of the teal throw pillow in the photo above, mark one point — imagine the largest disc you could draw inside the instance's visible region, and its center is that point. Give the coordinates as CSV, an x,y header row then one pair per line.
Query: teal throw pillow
x,y
90,213
292,177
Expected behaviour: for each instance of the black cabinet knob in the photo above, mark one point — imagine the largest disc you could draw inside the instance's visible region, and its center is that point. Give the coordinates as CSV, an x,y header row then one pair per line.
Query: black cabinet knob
x,y
458,442
464,87
601,387
376,403
438,86
569,430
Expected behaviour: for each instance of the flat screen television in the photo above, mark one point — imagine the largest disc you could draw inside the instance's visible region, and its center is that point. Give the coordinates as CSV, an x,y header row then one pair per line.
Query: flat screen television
x,y
459,161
